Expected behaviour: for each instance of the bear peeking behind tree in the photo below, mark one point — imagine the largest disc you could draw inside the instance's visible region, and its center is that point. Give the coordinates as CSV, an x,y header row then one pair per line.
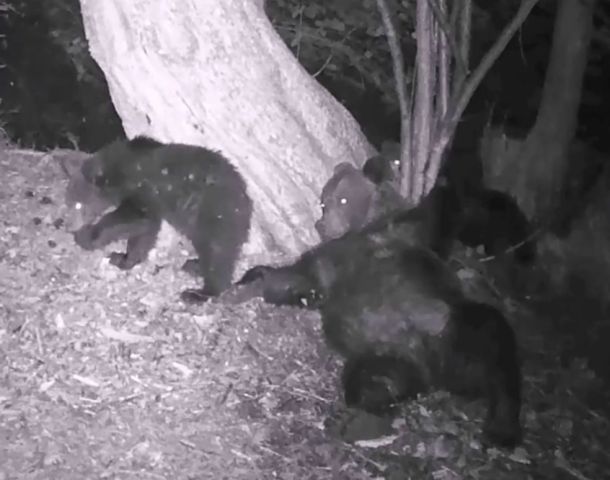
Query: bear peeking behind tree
x,y
474,215
352,199
194,189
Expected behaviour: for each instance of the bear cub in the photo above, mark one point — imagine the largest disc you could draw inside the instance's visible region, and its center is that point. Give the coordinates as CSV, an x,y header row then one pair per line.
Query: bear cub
x,y
196,190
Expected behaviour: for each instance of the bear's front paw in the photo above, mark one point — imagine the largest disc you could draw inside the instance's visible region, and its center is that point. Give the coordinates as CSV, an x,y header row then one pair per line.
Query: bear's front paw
x,y
86,237
121,260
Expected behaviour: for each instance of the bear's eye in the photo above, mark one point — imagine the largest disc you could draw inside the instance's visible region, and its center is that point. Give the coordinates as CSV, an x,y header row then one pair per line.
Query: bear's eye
x,y
322,206
343,201
78,206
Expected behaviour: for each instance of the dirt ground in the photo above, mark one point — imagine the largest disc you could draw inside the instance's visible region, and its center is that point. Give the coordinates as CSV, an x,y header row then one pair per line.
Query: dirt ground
x,y
107,375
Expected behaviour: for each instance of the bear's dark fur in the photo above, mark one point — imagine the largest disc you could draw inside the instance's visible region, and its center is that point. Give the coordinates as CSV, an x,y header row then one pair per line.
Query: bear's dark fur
x,y
404,327
379,169
398,316
384,168
194,189
308,281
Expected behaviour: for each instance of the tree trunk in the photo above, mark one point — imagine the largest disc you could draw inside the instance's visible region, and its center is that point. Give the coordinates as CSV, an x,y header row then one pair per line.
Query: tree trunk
x,y
216,74
537,175
426,87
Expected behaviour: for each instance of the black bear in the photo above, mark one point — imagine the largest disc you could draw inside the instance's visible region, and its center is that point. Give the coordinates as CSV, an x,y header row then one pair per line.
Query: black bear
x,y
476,215
353,197
384,167
196,190
398,316
443,204
380,169
350,201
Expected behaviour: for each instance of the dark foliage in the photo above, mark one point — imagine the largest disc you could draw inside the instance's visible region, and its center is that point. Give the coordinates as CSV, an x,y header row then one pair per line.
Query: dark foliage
x,y
55,94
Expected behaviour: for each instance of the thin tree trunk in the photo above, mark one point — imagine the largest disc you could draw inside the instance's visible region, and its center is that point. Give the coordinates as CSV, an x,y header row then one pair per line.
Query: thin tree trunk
x,y
544,156
400,80
216,74
460,98
426,87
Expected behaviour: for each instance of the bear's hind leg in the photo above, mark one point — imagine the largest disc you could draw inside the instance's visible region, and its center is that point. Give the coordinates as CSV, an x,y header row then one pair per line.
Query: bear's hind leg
x,y
216,265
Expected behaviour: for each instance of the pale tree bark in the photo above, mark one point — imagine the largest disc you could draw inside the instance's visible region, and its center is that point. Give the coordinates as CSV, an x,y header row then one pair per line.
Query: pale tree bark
x,y
425,92
460,22
537,173
444,71
215,73
430,120
404,101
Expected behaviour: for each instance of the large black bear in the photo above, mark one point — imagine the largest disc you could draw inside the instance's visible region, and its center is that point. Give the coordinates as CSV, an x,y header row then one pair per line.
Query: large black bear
x,y
398,316
196,190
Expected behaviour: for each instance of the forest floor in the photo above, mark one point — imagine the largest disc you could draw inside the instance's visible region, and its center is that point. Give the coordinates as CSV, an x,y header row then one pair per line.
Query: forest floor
x,y
106,374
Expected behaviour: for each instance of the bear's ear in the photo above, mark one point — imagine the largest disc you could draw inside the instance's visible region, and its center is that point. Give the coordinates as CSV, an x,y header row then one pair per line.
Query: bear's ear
x,y
93,172
71,162
343,167
67,167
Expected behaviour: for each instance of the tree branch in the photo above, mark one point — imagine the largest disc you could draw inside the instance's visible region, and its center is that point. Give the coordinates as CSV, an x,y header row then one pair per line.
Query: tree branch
x,y
465,31
427,63
444,81
400,79
440,15
464,96
444,72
